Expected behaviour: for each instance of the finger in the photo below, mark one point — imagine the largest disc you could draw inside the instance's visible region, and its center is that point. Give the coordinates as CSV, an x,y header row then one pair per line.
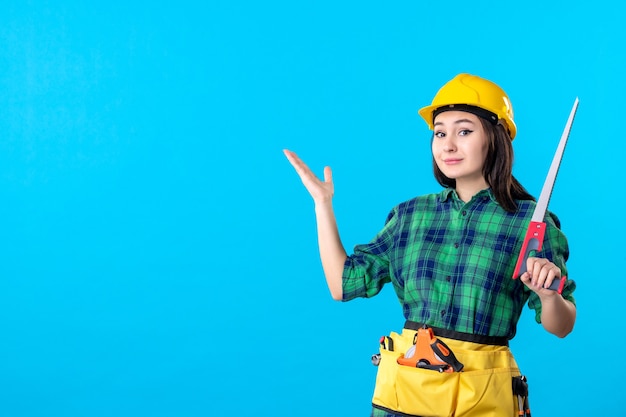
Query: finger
x,y
550,274
530,265
328,175
289,154
525,278
553,273
534,269
547,273
301,168
540,278
293,158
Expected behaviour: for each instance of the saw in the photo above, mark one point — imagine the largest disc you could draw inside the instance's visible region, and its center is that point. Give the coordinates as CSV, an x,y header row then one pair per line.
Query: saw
x,y
536,229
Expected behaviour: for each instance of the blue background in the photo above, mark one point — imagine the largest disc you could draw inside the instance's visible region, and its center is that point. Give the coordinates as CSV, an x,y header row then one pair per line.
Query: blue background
x,y
159,253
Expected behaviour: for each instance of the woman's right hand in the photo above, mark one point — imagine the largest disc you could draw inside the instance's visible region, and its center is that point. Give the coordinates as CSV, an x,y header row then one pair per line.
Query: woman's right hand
x,y
321,191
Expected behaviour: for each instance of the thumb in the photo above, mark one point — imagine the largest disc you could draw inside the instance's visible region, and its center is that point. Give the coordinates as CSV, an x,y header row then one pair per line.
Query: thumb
x,y
525,277
328,175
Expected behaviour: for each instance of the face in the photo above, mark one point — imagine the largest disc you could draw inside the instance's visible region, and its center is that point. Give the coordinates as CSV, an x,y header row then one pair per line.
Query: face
x,y
460,147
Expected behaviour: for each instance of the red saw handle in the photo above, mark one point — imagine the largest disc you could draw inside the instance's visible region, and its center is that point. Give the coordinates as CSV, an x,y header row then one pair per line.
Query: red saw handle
x,y
533,242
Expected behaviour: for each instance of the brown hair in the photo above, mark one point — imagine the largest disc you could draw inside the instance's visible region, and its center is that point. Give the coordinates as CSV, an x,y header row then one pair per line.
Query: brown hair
x,y
497,168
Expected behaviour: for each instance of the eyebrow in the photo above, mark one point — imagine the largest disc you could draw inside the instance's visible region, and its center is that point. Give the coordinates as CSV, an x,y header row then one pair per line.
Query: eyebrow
x,y
456,122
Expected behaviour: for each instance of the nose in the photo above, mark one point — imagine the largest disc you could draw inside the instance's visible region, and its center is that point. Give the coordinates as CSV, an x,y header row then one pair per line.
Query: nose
x,y
449,145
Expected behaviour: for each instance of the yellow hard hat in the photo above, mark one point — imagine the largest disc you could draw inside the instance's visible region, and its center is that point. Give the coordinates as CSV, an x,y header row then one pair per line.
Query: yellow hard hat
x,y
470,90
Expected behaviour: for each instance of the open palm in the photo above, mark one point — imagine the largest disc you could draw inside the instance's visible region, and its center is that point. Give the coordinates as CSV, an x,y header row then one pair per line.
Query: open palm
x,y
321,191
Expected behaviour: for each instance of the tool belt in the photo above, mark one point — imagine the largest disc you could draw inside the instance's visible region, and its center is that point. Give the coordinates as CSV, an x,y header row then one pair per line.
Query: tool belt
x,y
422,373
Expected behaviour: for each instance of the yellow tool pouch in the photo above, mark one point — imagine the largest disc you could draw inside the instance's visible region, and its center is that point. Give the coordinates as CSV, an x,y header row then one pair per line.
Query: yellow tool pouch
x,y
483,388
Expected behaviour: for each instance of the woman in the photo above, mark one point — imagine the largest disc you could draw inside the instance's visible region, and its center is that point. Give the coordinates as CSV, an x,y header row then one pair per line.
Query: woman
x,y
450,257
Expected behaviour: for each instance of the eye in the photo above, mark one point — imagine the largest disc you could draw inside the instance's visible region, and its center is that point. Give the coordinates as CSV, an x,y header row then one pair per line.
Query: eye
x,y
465,132
439,135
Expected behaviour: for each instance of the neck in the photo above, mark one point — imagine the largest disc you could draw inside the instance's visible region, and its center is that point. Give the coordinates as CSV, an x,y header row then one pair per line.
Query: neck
x,y
466,190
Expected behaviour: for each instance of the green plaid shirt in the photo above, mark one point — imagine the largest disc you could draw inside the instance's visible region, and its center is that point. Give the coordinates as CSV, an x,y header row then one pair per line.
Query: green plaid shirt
x,y
451,263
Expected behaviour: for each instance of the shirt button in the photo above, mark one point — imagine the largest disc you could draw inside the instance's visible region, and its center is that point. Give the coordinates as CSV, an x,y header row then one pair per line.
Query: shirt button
x,y
448,278
464,213
456,245
443,313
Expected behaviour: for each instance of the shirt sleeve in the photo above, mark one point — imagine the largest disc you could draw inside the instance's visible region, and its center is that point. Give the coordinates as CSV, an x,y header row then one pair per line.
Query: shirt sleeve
x,y
366,271
556,249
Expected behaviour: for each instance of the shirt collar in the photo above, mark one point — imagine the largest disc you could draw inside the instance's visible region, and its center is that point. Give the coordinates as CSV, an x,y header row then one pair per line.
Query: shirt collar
x,y
446,193
450,192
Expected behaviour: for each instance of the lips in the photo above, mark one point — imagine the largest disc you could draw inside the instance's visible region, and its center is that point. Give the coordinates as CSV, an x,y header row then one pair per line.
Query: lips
x,y
452,161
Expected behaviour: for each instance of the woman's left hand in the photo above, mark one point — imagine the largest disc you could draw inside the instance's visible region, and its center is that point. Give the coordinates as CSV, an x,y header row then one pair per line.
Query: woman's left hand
x,y
539,275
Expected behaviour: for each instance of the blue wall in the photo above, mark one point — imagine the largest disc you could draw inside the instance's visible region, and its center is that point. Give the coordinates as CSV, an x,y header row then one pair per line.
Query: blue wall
x,y
159,253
